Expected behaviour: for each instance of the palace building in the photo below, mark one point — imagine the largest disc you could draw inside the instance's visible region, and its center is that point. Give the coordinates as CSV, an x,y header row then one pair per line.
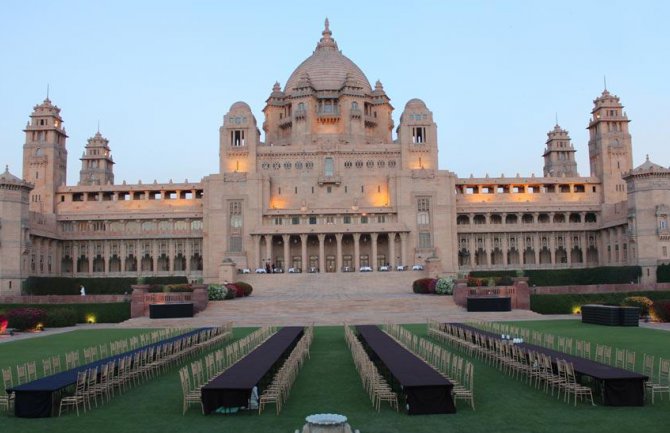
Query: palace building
x,y
330,190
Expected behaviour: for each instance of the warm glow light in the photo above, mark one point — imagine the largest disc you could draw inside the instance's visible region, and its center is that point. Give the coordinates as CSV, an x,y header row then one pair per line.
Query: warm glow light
x,y
576,309
90,318
277,203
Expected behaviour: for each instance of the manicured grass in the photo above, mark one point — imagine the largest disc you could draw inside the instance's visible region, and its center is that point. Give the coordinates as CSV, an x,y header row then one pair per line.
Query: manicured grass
x,y
329,383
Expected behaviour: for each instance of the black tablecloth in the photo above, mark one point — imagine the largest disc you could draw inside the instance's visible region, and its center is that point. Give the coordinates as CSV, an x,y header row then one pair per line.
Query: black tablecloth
x,y
620,387
610,315
489,303
36,399
426,391
171,311
232,388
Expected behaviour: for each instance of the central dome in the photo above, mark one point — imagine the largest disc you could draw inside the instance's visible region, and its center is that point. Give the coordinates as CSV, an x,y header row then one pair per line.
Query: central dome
x,y
327,68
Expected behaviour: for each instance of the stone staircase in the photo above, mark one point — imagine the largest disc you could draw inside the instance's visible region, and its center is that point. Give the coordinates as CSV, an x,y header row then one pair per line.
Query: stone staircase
x,y
331,299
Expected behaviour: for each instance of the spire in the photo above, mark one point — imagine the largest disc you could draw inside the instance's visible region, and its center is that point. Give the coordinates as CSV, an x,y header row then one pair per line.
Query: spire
x,y
47,92
556,118
605,82
326,38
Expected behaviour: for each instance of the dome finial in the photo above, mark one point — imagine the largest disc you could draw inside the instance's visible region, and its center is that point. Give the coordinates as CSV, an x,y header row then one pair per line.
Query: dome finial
x,y
326,39
7,167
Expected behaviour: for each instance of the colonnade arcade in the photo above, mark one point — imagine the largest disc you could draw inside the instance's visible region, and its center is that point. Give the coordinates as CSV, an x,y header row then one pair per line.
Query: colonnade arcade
x,y
539,249
329,252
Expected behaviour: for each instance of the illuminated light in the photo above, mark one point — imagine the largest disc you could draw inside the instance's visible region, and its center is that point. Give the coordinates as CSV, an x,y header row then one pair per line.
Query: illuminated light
x,y
90,318
39,327
576,309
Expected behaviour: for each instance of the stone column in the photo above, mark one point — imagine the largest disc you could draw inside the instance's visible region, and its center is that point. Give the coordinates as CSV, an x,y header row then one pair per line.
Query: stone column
x,y
171,254
357,251
392,261
568,248
303,246
268,248
373,237
123,253
287,245
154,254
338,258
322,252
91,252
256,239
552,249
504,246
584,246
403,249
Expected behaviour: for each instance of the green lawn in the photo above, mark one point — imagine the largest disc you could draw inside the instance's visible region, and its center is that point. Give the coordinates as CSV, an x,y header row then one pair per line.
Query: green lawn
x,y
329,383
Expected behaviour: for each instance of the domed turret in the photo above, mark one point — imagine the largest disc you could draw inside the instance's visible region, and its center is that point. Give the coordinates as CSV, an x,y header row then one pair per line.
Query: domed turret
x,y
327,68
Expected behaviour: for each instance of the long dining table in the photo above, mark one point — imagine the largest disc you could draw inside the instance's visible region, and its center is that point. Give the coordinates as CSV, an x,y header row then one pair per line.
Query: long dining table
x,y
233,387
424,389
38,398
620,387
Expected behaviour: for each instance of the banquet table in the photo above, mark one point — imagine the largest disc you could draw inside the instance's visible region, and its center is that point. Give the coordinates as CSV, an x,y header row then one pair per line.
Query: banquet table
x,y
425,390
38,399
233,387
619,387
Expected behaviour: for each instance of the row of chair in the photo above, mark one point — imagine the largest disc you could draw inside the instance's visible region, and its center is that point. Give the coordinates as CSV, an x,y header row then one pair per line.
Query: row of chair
x,y
205,369
278,390
659,374
131,370
449,365
535,368
374,383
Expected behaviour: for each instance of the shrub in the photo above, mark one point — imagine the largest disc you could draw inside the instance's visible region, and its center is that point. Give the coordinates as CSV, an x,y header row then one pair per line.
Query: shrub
x,y
114,312
578,277
663,273
660,310
234,291
245,288
94,286
26,318
642,302
3,323
474,281
216,292
424,285
230,292
61,317
567,303
444,286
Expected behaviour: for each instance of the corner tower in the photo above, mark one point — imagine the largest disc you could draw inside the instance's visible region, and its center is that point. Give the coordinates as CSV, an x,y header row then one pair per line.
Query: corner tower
x,y
45,155
559,156
610,148
97,165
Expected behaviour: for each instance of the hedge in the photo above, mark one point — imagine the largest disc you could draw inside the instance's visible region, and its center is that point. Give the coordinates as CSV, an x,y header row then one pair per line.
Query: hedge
x,y
485,275
579,277
566,303
663,274
661,310
94,286
114,312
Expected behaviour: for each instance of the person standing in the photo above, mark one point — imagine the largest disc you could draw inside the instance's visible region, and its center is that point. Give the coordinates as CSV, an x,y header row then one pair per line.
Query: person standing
x,y
82,290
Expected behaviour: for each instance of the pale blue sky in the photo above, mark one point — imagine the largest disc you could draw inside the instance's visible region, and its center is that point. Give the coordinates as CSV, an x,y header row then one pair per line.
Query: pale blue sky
x,y
160,75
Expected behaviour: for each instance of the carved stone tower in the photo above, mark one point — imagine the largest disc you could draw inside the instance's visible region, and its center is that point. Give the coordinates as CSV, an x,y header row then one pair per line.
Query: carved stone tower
x,y
559,156
610,149
97,165
45,156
